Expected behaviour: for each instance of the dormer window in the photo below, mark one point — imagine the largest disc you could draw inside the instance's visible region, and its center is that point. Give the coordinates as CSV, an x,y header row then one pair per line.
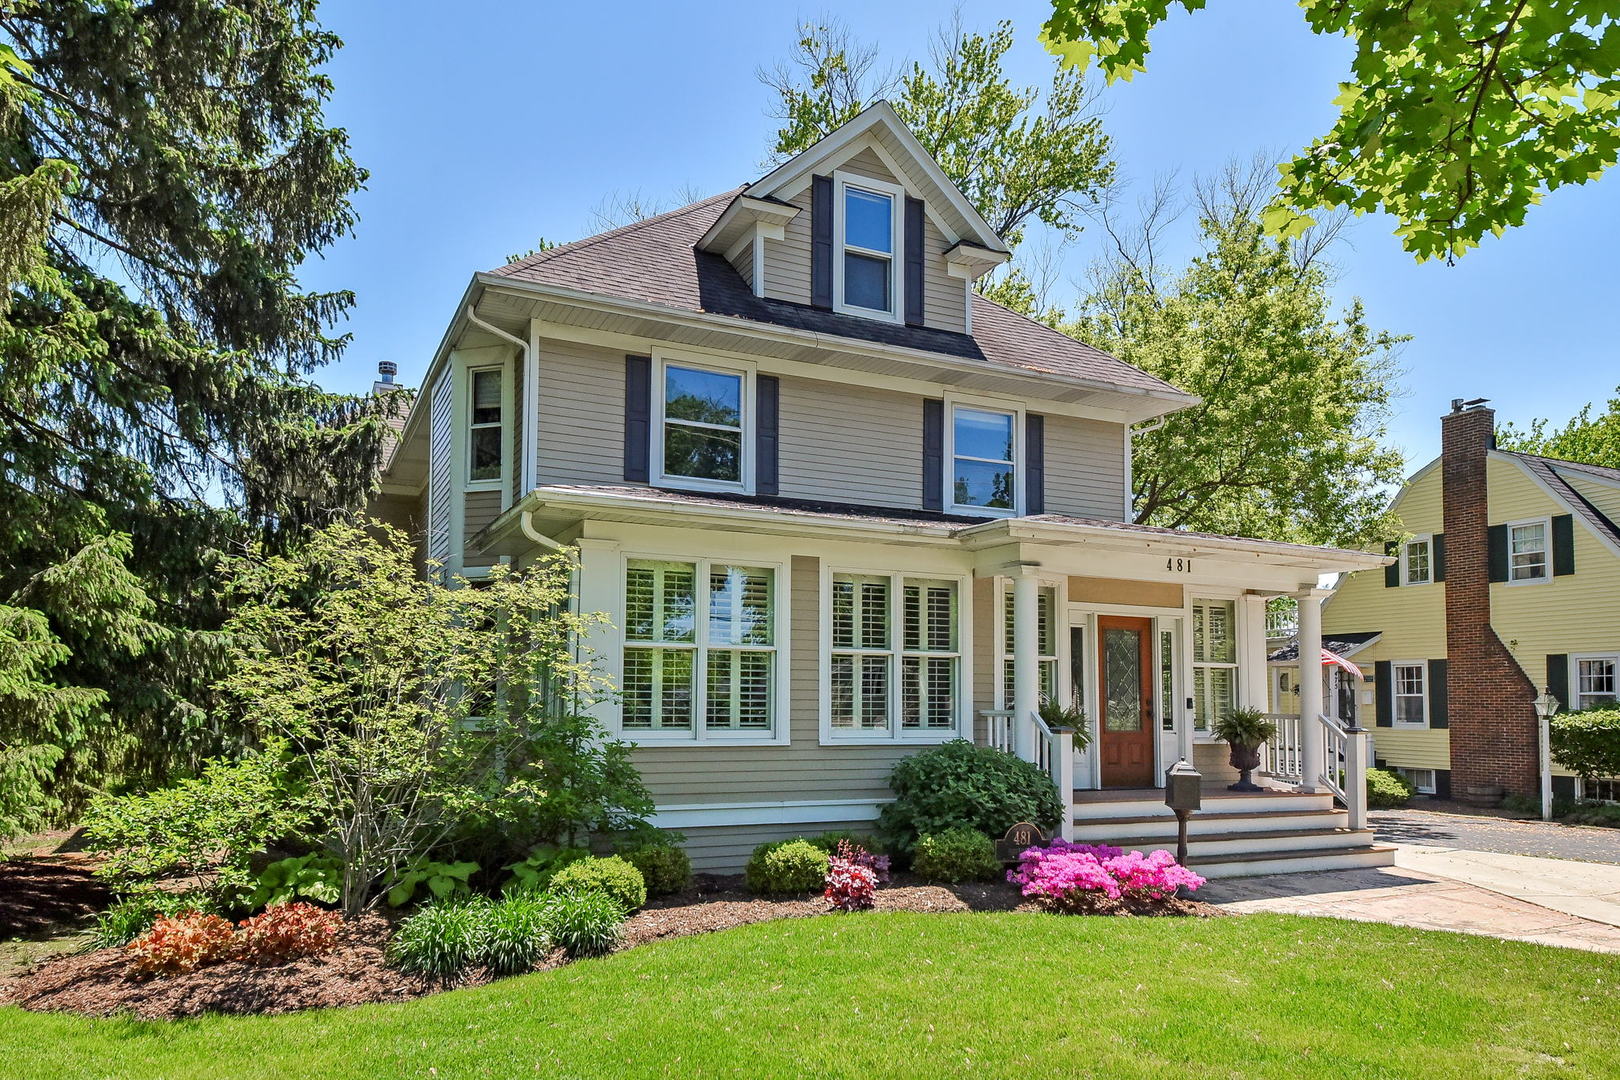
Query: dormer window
x,y
866,271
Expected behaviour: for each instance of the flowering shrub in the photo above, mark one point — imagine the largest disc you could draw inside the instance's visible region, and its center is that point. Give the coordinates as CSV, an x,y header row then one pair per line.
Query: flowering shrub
x,y
285,931
850,886
857,853
181,942
1071,877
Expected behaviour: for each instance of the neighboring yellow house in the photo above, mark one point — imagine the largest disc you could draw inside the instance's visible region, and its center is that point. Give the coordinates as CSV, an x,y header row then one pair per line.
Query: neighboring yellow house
x,y
1508,581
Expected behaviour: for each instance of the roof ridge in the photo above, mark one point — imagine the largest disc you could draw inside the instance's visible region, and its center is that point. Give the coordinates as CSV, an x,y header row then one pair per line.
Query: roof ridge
x,y
596,238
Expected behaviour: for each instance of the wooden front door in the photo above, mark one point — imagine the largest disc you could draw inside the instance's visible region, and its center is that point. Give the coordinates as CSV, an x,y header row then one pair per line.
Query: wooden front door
x,y
1125,674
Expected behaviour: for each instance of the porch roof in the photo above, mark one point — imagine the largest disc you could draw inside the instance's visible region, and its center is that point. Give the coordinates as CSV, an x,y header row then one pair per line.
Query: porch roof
x,y
1345,645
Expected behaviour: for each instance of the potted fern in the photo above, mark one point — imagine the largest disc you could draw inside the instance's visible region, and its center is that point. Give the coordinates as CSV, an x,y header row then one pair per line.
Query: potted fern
x,y
1245,731
1073,717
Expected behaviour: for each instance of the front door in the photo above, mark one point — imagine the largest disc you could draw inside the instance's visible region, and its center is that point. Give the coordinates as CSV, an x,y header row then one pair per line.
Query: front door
x,y
1125,664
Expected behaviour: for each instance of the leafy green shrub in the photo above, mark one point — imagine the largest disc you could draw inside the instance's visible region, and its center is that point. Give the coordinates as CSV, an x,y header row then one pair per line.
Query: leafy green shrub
x,y
583,923
1387,790
1587,743
132,916
316,877
664,866
612,876
828,842
786,866
441,939
446,881
959,854
1603,814
958,784
1521,804
516,934
535,872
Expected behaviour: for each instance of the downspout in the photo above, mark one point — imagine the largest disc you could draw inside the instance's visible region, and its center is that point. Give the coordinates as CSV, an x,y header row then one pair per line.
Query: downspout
x,y
526,524
1130,433
529,375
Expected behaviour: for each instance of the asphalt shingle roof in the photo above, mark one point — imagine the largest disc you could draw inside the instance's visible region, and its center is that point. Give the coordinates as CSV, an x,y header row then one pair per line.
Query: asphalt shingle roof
x,y
656,261
1547,470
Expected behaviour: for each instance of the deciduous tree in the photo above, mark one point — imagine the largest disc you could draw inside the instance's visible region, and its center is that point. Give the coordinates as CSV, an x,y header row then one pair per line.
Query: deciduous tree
x,y
1594,440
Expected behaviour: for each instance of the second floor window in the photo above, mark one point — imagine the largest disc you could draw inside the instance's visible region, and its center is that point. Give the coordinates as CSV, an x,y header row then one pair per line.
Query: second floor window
x,y
1418,558
1527,551
703,425
983,467
484,461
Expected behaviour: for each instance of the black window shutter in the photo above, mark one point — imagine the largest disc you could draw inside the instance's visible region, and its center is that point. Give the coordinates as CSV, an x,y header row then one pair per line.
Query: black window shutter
x,y
767,413
1437,694
1558,678
1034,463
821,241
1437,556
914,261
1497,546
1392,572
1563,545
1384,693
933,448
637,417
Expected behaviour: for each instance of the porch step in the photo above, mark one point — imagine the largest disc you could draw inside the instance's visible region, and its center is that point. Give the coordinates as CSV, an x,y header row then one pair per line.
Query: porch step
x,y
1306,860
1260,844
1089,807
1162,826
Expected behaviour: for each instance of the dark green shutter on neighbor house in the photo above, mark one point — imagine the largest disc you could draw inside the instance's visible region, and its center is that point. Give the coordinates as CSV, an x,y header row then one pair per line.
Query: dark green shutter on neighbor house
x,y
821,241
1438,560
1558,678
1384,693
1438,700
1563,545
1496,542
1392,572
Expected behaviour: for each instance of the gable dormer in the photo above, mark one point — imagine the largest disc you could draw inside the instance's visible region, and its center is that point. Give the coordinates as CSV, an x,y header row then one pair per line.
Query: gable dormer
x,y
863,223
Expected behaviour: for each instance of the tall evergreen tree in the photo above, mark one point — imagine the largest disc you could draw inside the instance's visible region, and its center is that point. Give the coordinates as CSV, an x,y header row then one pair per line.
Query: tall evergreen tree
x,y
164,170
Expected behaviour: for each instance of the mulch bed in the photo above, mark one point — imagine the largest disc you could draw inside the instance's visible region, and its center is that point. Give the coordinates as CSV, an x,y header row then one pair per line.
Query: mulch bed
x,y
99,984
45,893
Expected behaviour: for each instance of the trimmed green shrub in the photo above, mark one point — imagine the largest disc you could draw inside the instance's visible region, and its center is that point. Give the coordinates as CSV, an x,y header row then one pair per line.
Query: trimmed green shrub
x,y
611,876
957,784
1587,743
959,854
583,923
1387,790
665,867
129,918
516,934
441,939
535,872
786,866
1602,814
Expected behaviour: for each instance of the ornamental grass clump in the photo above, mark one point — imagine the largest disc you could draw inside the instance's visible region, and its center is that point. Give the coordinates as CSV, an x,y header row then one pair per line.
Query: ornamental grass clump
x,y
441,940
584,923
1079,878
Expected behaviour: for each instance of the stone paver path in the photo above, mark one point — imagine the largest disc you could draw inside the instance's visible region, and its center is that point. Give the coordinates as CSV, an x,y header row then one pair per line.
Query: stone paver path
x,y
1405,897
1444,826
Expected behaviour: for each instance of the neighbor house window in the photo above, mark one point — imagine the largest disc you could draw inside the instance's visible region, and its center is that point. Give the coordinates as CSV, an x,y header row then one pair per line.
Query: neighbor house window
x,y
1411,693
894,657
1417,560
700,648
983,462
1045,644
1422,779
1606,790
703,419
484,461
1527,551
869,218
1595,681
1215,668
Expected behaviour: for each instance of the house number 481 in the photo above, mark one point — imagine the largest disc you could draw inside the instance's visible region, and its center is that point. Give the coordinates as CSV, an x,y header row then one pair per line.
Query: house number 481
x,y
1178,566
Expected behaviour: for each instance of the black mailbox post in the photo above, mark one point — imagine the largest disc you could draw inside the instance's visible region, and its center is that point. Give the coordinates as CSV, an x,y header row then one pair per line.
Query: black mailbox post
x,y
1183,793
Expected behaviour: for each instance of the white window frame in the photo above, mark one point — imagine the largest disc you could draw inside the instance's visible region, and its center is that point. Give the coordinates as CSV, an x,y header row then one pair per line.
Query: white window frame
x,y
1546,551
896,733
895,255
1576,697
1427,540
1053,660
494,483
1206,731
1395,694
1019,459
1413,774
661,362
1583,795
781,675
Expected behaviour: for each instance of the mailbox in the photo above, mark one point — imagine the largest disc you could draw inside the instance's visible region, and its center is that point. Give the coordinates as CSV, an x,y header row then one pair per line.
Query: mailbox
x,y
1182,787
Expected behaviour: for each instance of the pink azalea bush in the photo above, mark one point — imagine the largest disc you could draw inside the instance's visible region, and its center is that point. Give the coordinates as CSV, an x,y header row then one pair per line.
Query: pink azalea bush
x,y
852,877
1065,876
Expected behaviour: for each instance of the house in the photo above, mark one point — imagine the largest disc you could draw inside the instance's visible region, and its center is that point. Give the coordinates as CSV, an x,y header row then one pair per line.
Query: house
x,y
1507,582
840,507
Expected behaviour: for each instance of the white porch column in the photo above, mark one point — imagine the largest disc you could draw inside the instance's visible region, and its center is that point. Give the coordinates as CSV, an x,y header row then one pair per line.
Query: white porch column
x,y
1026,664
1310,686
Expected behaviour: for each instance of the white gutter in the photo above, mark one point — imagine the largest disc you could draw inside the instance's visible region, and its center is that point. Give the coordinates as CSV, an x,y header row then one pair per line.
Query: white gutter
x,y
531,382
526,523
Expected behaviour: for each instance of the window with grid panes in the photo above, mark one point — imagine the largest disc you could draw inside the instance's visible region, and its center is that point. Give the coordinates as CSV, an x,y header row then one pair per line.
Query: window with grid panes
x,y
894,660
1045,644
1214,661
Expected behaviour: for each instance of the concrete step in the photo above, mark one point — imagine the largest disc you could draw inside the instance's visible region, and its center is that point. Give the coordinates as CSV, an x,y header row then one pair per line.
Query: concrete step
x,y
1307,860
1253,845
1162,826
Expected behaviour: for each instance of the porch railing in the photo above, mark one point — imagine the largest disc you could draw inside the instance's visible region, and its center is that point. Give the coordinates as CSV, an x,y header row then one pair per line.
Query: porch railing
x,y
1281,624
1341,767
1053,750
1285,751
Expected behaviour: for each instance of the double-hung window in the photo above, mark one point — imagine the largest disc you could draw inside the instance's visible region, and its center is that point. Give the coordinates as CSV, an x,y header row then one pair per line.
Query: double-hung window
x,y
1411,693
1214,659
983,460
700,650
1527,551
867,279
1046,657
894,661
1597,681
703,421
1417,561
484,458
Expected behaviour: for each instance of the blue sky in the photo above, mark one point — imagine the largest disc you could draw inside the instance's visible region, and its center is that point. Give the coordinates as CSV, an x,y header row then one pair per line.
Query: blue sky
x,y
510,121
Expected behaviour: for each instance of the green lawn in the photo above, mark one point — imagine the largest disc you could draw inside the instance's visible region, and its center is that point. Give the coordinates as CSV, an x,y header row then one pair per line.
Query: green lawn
x,y
934,995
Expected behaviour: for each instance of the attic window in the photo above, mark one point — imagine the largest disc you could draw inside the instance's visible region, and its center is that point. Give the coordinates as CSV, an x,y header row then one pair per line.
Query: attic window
x,y
868,228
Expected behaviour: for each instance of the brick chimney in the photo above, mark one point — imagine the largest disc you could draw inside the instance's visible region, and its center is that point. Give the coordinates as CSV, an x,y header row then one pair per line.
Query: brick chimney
x,y
1493,723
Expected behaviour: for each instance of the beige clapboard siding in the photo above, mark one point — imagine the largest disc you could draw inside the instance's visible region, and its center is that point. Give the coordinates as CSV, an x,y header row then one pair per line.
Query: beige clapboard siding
x,y
744,262
725,849
581,427
985,679
802,770
787,261
944,296
850,444
483,507
439,449
1085,467
1412,748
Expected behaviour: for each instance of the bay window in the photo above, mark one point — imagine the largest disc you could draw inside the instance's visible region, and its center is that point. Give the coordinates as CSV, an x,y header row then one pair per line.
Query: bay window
x,y
893,660
1214,660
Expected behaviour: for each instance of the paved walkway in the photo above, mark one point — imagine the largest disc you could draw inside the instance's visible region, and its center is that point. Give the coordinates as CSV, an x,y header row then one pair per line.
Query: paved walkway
x,y
1449,825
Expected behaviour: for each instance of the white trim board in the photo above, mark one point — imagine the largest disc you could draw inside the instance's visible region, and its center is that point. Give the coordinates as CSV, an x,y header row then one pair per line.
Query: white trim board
x,y
807,812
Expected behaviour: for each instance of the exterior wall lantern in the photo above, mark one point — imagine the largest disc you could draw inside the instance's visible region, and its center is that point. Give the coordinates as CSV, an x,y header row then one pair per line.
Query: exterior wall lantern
x,y
1546,705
